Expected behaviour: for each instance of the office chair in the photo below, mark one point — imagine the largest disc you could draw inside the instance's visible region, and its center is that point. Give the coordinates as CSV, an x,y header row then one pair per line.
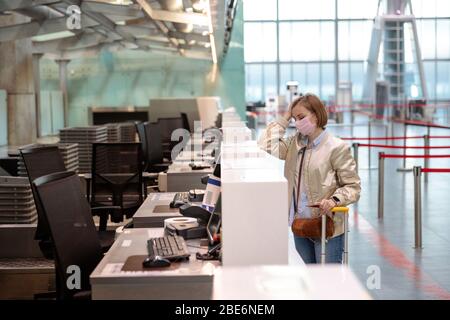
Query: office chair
x,y
73,233
150,178
155,155
117,178
40,162
44,160
140,128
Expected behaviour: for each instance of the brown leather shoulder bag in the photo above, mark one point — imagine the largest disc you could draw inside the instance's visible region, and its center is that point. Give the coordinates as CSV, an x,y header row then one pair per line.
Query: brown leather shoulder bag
x,y
308,227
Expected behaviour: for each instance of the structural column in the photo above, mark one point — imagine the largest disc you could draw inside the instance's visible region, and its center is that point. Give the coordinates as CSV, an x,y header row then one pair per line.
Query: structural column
x,y
37,88
16,77
62,63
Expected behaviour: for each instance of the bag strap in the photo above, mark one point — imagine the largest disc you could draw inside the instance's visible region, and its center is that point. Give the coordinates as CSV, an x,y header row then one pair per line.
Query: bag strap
x,y
303,151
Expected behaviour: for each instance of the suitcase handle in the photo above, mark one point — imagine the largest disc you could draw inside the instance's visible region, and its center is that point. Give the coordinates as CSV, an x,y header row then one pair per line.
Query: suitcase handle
x,y
323,242
340,209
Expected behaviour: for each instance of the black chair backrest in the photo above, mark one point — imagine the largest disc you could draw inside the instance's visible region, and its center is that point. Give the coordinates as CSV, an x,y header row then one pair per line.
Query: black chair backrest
x,y
72,228
117,171
154,143
41,161
140,128
168,125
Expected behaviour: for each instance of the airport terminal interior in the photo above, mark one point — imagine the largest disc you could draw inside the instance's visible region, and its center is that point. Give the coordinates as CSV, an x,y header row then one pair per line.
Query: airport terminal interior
x,y
144,151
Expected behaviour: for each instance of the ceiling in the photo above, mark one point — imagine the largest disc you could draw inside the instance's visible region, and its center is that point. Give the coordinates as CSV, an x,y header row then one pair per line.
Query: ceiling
x,y
71,28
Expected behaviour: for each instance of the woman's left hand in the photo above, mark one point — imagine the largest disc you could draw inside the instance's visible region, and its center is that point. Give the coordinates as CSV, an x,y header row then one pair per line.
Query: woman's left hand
x,y
326,205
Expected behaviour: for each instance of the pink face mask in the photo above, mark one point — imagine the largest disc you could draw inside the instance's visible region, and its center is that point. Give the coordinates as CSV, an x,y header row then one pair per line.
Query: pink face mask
x,y
305,126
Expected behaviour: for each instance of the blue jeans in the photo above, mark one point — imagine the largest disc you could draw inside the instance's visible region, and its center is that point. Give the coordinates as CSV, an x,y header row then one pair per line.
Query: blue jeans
x,y
309,249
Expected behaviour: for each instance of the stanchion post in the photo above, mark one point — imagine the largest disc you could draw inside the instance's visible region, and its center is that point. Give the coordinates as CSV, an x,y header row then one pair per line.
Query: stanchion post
x,y
417,208
369,129
355,154
405,132
380,185
426,160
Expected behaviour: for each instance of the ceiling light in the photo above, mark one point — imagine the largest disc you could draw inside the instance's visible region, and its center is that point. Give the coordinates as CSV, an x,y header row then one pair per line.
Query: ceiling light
x,y
122,2
53,36
198,5
212,41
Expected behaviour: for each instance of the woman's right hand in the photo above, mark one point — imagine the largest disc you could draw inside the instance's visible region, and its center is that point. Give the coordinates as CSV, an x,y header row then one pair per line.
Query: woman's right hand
x,y
288,114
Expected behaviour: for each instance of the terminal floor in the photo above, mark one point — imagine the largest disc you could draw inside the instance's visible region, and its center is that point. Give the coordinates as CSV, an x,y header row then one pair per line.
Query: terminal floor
x,y
387,245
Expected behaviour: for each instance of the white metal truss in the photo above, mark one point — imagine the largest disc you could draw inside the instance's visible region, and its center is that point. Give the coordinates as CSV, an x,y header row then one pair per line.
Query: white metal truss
x,y
137,24
389,29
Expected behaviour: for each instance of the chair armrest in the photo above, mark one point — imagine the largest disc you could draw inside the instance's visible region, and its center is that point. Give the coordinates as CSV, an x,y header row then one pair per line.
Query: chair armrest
x,y
161,165
86,176
150,175
115,212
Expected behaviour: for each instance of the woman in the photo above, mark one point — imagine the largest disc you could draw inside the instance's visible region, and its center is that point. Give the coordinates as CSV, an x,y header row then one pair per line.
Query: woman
x,y
328,172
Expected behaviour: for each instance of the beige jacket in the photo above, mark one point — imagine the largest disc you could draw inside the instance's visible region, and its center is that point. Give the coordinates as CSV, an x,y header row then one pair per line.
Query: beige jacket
x,y
328,169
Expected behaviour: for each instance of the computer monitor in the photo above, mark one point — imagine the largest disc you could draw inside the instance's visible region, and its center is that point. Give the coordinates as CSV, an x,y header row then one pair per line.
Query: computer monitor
x,y
215,222
212,191
204,109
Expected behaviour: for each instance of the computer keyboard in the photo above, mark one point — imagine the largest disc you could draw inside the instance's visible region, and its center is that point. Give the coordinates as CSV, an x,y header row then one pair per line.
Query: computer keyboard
x,y
170,247
179,199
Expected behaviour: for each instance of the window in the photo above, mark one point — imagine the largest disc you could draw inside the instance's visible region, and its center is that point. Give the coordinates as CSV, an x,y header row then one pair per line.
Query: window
x,y
285,76
431,8
357,9
427,40
306,41
443,80
430,77
260,81
353,72
317,78
424,9
443,41
253,82
327,80
260,10
288,40
306,9
260,41
442,8
354,39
